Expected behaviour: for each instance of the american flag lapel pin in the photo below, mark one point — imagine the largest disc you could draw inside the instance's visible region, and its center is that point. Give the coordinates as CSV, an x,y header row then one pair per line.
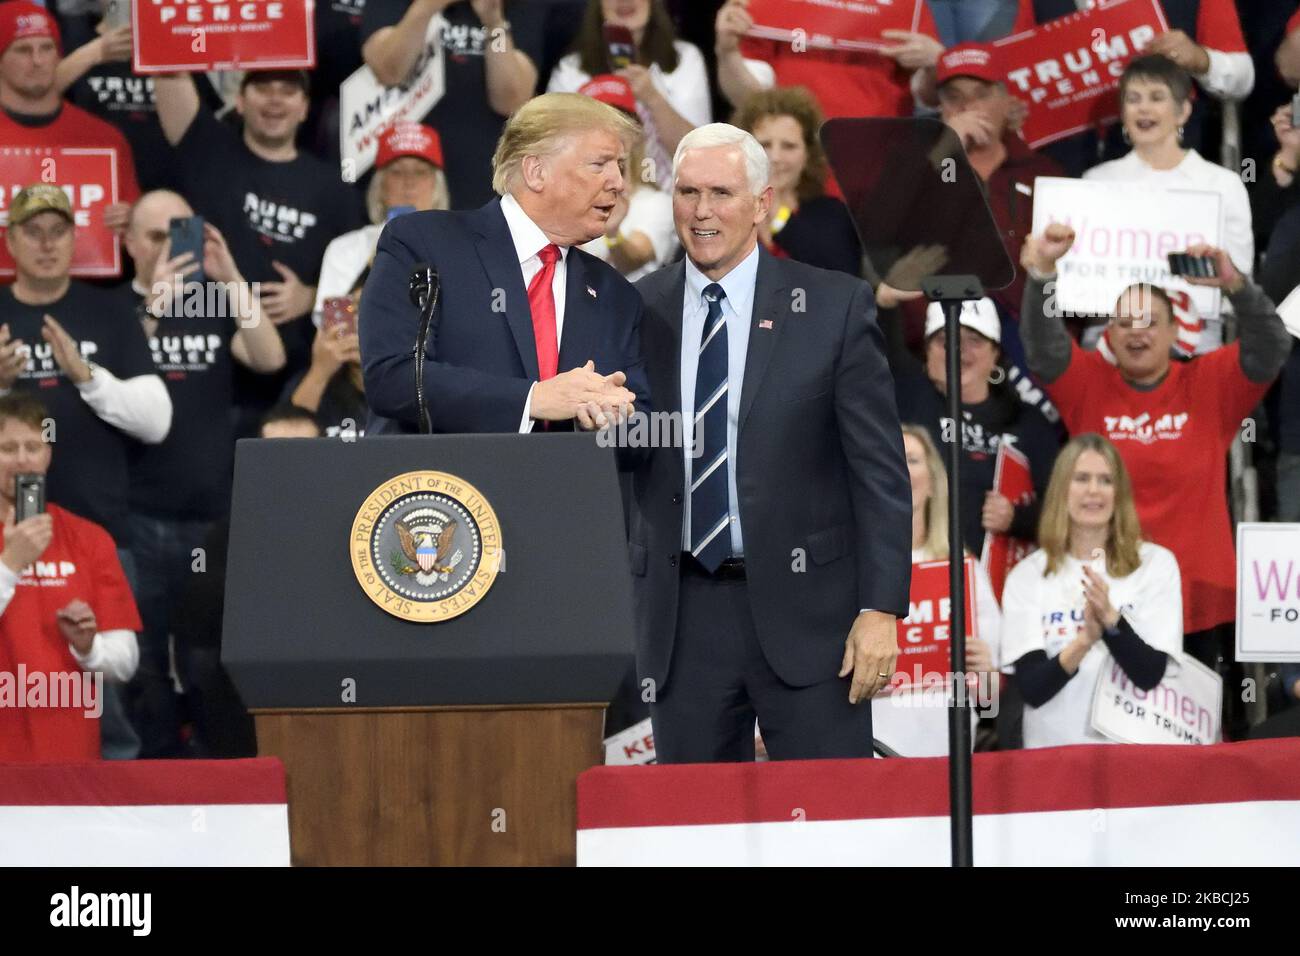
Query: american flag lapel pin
x,y
591,292
764,323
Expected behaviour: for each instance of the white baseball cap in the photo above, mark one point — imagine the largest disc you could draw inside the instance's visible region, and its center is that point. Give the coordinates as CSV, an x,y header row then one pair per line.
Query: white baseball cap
x,y
980,315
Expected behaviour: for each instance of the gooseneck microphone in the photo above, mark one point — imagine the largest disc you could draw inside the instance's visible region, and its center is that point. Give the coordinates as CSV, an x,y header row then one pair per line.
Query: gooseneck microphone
x,y
423,290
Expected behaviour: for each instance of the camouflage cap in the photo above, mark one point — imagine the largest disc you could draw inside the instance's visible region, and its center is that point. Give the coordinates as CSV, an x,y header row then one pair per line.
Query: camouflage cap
x,y
38,199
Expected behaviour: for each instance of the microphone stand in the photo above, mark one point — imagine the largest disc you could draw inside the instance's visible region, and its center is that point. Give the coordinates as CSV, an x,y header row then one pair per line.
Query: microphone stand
x,y
423,290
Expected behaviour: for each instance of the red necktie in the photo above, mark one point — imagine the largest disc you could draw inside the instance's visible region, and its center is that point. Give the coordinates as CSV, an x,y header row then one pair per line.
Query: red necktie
x,y
541,302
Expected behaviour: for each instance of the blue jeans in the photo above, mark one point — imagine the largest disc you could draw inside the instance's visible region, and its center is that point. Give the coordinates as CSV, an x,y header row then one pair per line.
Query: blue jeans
x,y
164,556
963,21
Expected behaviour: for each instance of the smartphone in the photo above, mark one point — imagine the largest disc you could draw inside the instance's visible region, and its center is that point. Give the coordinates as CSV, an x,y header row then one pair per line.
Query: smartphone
x,y
338,312
621,46
187,236
1295,111
117,13
1198,267
29,496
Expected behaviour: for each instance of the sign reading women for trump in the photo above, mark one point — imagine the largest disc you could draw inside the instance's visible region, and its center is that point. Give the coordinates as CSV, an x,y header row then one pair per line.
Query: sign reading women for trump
x,y
1124,233
1183,708
1268,592
833,24
1067,70
89,177
195,35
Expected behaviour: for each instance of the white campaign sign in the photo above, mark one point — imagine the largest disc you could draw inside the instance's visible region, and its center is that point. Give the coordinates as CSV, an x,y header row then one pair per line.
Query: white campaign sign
x,y
1268,592
1184,708
632,745
366,105
1123,234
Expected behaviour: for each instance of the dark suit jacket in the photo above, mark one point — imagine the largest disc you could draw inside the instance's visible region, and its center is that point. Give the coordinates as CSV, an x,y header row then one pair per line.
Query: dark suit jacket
x,y
484,358
825,500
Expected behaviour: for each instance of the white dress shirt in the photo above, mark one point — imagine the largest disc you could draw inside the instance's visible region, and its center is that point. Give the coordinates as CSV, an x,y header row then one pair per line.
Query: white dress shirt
x,y
529,240
1042,612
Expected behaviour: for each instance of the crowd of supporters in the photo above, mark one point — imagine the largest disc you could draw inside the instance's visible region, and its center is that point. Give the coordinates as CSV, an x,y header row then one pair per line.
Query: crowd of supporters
x,y
1135,551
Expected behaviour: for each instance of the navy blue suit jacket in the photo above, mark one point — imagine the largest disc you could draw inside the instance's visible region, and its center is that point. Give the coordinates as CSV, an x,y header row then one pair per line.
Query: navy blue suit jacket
x,y
483,358
825,500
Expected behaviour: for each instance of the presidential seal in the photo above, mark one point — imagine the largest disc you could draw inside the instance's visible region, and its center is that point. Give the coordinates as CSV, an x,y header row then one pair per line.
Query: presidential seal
x,y
426,546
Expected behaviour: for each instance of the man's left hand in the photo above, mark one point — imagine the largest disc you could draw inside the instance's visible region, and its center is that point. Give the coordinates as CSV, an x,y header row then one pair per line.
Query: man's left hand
x,y
77,624
1229,277
869,654
67,353
285,301
1183,50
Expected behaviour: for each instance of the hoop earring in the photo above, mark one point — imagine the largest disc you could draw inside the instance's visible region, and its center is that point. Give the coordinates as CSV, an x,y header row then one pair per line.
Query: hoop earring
x,y
1001,375
1180,135
1124,134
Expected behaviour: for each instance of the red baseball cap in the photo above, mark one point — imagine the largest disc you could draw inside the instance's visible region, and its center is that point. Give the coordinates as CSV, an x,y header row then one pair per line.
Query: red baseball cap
x,y
20,21
969,59
611,90
409,139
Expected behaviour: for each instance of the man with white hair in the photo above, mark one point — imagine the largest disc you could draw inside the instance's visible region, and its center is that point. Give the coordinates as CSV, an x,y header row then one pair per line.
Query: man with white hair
x,y
529,327
771,563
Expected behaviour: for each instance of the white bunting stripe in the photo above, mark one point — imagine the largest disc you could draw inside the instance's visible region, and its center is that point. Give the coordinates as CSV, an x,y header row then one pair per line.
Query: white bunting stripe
x,y
717,530
713,400
718,326
708,471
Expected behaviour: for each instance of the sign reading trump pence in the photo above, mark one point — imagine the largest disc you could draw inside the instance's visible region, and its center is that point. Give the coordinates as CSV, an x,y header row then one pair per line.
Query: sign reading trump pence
x,y
89,177
924,636
833,24
1067,70
197,35
1124,233
1268,592
1183,708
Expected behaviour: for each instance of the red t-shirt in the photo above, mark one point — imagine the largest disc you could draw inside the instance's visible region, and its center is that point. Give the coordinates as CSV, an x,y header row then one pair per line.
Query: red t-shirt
x,y
80,562
73,126
1174,440
1217,25
845,83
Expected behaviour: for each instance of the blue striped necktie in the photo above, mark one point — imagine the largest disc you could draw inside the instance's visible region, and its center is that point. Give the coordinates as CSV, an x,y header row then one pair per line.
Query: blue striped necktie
x,y
710,514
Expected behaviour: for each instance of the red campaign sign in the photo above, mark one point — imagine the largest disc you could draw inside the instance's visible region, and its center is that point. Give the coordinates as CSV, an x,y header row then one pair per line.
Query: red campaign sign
x,y
197,35
89,177
837,25
1013,480
1067,71
923,646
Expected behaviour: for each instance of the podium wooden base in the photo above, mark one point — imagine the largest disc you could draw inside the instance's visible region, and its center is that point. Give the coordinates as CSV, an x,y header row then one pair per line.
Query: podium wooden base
x,y
433,786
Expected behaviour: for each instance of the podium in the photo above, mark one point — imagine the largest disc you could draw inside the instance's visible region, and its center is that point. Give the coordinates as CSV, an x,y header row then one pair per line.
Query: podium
x,y
427,630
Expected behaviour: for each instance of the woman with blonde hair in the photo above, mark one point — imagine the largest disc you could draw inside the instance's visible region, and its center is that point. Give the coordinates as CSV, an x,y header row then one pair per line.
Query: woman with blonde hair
x,y
913,722
1093,587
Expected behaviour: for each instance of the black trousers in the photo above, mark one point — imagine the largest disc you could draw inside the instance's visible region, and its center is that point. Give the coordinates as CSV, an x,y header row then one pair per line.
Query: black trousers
x,y
719,682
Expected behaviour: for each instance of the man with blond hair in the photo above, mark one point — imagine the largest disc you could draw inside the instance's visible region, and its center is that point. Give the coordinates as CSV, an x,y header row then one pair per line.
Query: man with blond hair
x,y
529,327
